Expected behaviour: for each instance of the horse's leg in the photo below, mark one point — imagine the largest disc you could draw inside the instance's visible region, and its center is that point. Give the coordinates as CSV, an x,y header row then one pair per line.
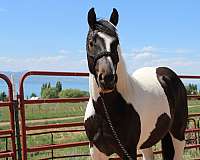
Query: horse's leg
x,y
96,154
172,148
147,154
178,148
167,147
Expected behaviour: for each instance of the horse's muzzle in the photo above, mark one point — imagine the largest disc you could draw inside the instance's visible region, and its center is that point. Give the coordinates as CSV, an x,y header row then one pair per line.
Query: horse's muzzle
x,y
107,81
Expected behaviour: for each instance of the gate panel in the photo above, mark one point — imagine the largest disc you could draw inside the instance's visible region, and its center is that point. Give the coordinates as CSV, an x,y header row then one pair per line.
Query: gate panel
x,y
25,128
9,133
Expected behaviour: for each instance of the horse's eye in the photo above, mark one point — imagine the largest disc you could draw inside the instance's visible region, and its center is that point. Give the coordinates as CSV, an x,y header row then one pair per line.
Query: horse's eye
x,y
91,44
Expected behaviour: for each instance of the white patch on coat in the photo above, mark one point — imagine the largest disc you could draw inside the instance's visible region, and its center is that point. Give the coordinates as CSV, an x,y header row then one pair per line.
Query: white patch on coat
x,y
89,110
145,93
149,99
111,64
93,87
94,94
107,39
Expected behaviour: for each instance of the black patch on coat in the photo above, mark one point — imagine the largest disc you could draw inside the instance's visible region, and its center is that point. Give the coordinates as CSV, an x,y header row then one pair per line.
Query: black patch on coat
x,y
167,147
177,99
125,120
162,127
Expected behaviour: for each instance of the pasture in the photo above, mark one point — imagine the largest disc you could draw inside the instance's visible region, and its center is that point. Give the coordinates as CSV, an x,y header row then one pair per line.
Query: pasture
x,y
66,112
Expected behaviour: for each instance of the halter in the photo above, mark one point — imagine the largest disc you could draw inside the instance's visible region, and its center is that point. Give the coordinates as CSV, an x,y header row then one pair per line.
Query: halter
x,y
96,57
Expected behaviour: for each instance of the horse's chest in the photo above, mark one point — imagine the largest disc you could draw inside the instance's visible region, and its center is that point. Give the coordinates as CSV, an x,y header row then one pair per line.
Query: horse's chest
x,y
124,119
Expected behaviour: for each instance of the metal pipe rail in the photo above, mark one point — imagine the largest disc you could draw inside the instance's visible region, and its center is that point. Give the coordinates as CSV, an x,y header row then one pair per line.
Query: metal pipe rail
x,y
11,131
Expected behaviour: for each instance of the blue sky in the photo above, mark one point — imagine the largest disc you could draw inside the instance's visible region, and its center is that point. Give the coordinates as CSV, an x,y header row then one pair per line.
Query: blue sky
x,y
50,34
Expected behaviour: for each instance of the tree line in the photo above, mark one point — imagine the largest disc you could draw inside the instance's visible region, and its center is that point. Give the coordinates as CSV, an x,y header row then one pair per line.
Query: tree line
x,y
192,89
57,91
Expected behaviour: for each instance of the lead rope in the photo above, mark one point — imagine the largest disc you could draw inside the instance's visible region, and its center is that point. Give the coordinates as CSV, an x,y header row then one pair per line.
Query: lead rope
x,y
114,132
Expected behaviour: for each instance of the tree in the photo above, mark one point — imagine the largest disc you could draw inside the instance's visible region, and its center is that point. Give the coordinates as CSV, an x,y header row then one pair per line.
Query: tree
x,y
44,86
33,95
3,96
49,85
49,93
58,86
72,93
192,89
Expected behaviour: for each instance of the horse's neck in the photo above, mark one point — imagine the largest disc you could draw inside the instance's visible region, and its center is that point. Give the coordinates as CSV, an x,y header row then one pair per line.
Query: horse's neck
x,y
124,84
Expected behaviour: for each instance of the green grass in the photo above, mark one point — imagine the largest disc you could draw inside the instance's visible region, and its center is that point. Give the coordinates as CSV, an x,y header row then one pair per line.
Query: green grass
x,y
194,109
194,106
58,138
46,111
193,102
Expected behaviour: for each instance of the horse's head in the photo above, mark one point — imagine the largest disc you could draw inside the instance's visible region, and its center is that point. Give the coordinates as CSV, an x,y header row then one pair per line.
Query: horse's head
x,y
102,54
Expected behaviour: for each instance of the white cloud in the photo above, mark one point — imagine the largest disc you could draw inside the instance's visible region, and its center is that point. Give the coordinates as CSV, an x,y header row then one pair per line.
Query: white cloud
x,y
173,58
63,51
54,63
137,58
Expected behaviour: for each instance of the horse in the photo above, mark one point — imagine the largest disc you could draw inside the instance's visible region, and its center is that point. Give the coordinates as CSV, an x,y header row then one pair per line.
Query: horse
x,y
126,113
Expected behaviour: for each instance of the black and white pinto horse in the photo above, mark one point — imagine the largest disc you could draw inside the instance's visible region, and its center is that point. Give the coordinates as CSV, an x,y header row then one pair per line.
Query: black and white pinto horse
x,y
129,113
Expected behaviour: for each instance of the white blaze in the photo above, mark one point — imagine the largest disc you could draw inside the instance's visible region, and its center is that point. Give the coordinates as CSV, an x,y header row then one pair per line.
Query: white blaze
x,y
107,39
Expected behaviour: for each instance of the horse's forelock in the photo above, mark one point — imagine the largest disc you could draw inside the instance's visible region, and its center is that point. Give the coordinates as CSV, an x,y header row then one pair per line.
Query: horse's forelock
x,y
106,27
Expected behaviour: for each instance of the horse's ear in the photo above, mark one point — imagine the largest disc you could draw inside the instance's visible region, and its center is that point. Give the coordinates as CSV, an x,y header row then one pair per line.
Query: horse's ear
x,y
92,18
114,17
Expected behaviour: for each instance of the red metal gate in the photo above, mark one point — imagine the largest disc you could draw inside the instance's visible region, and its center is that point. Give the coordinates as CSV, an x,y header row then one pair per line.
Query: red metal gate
x,y
9,133
25,128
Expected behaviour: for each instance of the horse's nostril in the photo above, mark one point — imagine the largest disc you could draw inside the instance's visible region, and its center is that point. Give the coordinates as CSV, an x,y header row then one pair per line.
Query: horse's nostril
x,y
100,77
108,78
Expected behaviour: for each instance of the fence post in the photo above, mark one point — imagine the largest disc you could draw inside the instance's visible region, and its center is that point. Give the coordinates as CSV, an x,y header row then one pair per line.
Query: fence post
x,y
6,146
52,155
17,129
16,118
